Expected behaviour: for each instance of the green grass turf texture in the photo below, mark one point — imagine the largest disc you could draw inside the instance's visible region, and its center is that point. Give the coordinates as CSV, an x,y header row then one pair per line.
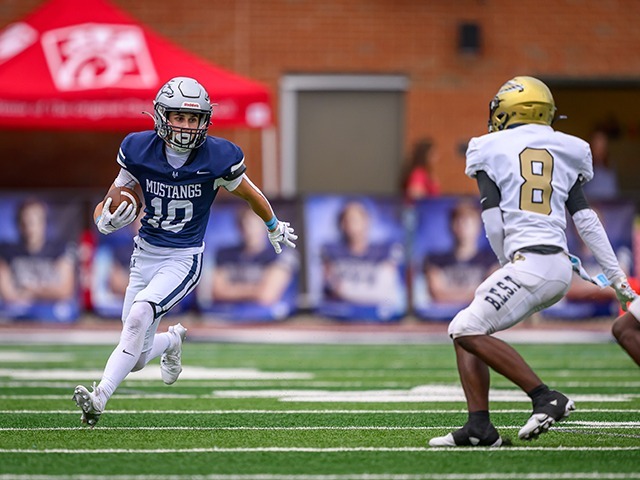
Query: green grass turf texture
x,y
186,430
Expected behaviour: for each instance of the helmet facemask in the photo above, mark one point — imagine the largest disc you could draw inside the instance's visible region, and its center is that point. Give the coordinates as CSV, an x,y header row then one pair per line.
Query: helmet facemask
x,y
187,96
181,139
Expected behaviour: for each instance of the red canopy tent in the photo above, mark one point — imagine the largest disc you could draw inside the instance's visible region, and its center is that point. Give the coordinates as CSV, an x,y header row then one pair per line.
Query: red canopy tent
x,y
86,65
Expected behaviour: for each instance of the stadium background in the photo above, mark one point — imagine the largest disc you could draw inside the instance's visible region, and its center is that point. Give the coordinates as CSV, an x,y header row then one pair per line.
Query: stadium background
x,y
454,56
588,52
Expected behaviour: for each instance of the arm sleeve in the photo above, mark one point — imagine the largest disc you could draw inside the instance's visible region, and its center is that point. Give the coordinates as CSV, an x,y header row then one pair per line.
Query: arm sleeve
x,y
489,191
594,236
125,179
491,214
494,226
576,201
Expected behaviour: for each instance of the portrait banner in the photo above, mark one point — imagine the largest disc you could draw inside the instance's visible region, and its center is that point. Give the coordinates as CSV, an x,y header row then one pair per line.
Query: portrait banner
x,y
39,236
355,257
243,278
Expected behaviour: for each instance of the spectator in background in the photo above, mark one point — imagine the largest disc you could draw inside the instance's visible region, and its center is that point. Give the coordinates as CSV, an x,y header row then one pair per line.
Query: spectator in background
x,y
452,277
37,270
604,185
250,280
418,180
359,272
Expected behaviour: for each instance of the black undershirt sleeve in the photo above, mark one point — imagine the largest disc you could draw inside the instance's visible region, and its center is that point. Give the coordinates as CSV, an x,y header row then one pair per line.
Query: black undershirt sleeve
x,y
576,201
489,191
236,173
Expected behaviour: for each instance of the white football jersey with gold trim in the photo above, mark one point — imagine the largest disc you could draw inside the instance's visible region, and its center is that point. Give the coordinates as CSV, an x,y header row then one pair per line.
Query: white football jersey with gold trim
x,y
534,167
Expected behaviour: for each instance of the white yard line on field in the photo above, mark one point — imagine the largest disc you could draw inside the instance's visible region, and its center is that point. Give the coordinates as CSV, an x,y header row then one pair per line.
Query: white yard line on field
x,y
417,394
567,424
303,412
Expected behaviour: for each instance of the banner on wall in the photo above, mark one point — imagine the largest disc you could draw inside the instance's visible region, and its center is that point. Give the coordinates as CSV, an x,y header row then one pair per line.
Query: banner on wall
x,y
39,236
243,279
450,255
355,257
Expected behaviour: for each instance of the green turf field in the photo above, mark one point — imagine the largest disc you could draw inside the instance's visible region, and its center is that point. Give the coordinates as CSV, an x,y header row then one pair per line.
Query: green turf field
x,y
309,412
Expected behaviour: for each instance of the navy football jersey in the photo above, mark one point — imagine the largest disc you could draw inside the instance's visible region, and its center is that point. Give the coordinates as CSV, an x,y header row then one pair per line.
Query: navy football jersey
x,y
177,200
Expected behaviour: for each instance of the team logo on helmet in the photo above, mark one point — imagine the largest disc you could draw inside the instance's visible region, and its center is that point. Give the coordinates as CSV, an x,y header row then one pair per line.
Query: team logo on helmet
x,y
511,86
167,90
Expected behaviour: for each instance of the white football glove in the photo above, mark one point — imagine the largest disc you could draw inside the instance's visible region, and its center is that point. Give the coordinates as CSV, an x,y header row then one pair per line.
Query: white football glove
x,y
624,292
283,233
110,222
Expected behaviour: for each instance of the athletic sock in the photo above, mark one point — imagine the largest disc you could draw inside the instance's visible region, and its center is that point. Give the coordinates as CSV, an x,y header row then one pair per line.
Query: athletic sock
x,y
161,342
127,354
537,393
479,418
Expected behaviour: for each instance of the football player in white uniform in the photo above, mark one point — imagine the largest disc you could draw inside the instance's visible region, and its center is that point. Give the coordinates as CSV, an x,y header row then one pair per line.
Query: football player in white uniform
x,y
179,169
527,174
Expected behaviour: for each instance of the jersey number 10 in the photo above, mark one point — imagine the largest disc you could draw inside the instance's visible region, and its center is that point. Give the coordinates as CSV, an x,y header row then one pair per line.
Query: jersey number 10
x,y
167,222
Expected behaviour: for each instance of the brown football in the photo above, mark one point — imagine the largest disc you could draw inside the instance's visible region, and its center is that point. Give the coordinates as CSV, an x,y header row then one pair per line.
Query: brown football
x,y
123,194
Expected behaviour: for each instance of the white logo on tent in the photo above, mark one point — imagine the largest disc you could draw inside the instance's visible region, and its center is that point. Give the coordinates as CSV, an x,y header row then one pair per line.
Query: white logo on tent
x,y
94,56
16,38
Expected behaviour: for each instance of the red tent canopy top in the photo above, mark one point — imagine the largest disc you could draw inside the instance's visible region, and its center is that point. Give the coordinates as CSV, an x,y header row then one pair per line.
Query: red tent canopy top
x,y
85,64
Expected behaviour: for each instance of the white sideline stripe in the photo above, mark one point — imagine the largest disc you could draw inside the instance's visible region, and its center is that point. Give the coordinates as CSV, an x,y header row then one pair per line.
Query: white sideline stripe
x,y
219,384
364,476
306,412
34,357
292,382
319,450
191,373
436,393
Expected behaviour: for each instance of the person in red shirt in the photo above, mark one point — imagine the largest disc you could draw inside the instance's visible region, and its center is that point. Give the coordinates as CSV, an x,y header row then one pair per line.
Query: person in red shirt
x,y
418,181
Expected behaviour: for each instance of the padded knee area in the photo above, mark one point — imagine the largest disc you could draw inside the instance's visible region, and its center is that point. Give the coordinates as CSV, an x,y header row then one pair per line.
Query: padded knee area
x,y
464,324
140,318
134,329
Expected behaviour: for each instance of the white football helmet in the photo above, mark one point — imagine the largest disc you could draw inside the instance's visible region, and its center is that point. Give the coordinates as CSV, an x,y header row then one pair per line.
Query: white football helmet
x,y
186,95
521,100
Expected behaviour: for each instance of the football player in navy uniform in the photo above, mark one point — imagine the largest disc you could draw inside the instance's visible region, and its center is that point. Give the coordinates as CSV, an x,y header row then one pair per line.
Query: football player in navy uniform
x,y
178,170
528,174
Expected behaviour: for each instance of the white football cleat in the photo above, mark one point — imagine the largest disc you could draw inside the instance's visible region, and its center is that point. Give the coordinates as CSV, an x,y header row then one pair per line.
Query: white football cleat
x,y
553,408
91,404
171,360
465,437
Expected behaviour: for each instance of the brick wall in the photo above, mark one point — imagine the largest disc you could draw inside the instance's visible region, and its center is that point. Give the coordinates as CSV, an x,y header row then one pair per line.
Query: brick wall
x,y
449,93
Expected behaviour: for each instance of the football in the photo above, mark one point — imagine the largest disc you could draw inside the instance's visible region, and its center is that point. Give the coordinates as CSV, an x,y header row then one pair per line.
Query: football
x,y
123,194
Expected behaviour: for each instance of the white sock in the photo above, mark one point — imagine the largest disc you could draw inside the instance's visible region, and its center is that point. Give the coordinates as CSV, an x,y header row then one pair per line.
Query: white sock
x,y
125,356
161,342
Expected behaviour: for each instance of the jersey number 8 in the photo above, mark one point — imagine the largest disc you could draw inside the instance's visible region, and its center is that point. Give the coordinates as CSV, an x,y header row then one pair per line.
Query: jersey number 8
x,y
536,168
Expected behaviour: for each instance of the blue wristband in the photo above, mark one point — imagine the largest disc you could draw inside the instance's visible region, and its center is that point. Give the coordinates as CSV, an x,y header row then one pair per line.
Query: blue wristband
x,y
271,224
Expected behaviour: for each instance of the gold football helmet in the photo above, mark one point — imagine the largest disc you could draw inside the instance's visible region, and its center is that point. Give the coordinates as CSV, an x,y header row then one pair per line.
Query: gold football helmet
x,y
521,100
